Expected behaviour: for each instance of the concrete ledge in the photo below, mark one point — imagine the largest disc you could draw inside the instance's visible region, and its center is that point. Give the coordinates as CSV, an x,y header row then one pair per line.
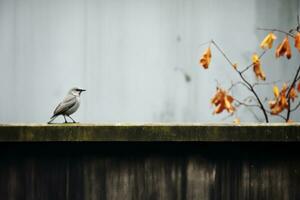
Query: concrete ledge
x,y
150,132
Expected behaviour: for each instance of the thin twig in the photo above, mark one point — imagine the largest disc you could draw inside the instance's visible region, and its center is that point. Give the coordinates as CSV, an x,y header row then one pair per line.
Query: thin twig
x,y
241,103
276,30
277,115
296,107
255,115
266,83
237,83
222,52
250,110
249,97
288,94
205,43
218,84
256,96
298,20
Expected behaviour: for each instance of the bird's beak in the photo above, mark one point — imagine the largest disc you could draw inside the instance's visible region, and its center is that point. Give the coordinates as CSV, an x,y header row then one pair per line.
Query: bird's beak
x,y
81,90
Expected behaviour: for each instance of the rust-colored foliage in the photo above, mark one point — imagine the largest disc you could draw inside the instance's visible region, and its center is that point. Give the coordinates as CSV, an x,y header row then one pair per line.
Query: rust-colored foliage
x,y
267,43
293,94
257,67
297,41
284,48
280,102
282,98
206,58
276,91
223,101
235,65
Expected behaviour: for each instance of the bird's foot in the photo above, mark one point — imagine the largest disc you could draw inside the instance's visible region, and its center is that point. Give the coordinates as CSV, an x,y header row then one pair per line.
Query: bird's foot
x,y
73,121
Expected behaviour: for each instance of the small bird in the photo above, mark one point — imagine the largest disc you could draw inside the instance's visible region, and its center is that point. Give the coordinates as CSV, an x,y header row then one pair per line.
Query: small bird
x,y
68,106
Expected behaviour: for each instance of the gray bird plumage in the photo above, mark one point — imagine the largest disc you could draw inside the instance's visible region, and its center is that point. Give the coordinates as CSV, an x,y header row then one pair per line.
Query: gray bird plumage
x,y
69,105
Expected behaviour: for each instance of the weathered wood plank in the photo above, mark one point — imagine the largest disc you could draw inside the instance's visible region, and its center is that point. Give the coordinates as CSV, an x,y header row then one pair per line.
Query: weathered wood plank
x,y
133,171
169,162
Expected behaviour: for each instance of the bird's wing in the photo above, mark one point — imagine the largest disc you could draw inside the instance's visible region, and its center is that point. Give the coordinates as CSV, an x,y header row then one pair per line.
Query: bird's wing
x,y
65,105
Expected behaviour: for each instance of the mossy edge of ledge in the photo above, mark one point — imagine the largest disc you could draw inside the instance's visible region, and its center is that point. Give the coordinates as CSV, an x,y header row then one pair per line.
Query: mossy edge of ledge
x,y
149,132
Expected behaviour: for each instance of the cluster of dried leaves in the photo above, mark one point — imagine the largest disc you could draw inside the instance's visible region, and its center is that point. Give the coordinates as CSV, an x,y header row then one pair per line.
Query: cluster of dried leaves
x,y
280,102
223,101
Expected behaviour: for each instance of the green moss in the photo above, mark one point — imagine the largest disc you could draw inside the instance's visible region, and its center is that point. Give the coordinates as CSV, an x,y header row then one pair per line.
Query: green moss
x,y
150,132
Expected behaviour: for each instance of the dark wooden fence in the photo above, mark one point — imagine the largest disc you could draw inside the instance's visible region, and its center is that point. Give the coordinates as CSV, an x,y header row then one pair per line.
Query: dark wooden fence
x,y
205,162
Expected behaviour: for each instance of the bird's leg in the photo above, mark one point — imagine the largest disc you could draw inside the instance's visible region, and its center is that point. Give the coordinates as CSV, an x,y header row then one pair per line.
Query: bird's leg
x,y
71,118
65,119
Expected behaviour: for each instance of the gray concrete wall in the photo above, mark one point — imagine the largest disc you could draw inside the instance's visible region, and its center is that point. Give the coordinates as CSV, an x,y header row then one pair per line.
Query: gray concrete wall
x,y
124,53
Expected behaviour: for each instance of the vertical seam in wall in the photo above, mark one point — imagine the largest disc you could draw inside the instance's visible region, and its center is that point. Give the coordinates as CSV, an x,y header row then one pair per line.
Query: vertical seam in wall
x,y
67,179
14,63
85,80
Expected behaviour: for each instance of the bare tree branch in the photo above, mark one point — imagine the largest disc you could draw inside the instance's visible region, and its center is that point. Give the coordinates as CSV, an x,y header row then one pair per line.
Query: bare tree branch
x,y
266,83
204,43
256,95
255,115
296,107
237,83
250,109
223,53
298,19
244,80
277,115
242,103
249,98
288,94
276,30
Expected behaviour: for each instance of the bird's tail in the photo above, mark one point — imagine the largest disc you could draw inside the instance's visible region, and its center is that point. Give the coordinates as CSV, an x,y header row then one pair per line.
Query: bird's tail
x,y
52,118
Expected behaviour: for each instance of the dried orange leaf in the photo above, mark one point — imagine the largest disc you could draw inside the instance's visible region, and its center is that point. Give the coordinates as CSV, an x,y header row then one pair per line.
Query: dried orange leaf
x,y
268,41
275,108
290,121
257,67
222,101
297,41
280,103
205,59
293,94
284,48
276,91
283,99
235,65
228,105
219,109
